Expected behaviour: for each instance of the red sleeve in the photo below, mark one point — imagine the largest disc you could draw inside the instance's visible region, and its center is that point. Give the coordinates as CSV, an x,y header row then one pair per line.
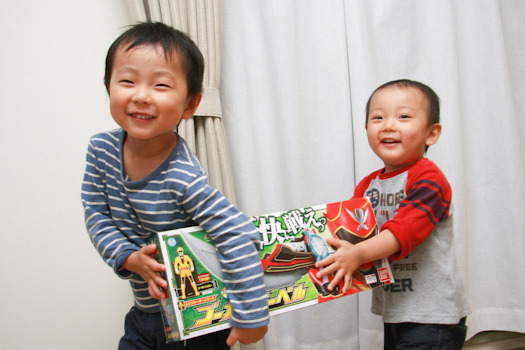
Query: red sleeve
x,y
427,202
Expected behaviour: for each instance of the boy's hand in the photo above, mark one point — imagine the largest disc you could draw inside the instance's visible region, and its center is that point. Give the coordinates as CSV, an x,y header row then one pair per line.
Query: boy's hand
x,y
348,257
246,335
143,263
342,264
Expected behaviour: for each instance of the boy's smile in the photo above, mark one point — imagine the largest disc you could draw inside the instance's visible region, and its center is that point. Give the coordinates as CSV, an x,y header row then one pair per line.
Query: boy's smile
x,y
148,95
398,126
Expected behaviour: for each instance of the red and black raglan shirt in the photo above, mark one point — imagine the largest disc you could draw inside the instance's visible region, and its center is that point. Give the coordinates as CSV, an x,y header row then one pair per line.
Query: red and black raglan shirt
x,y
414,203
409,202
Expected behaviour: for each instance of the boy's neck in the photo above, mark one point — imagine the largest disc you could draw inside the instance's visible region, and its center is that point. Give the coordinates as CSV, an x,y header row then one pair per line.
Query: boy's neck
x,y
389,169
143,157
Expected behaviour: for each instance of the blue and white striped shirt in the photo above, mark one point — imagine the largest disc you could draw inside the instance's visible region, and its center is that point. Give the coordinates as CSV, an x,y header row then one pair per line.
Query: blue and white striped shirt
x,y
122,216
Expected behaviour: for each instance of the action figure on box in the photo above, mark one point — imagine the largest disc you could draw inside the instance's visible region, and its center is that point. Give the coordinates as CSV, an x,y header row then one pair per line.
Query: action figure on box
x,y
184,267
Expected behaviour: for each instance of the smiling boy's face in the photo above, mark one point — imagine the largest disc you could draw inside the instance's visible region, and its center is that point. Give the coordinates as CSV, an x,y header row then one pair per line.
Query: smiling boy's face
x,y
398,127
148,93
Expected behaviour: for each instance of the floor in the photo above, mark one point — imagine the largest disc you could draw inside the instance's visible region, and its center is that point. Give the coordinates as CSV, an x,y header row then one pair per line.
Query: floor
x,y
496,341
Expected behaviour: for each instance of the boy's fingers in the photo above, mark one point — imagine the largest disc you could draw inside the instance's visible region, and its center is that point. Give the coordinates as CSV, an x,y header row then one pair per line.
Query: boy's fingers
x,y
161,282
232,339
326,261
153,292
333,241
160,291
327,270
348,281
150,248
158,267
335,281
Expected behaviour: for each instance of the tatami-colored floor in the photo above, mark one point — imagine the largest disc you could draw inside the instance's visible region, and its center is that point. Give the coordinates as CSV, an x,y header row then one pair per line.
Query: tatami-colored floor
x,y
496,341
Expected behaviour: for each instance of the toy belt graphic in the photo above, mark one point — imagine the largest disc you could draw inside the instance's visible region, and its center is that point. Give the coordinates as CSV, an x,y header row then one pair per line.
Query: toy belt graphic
x,y
299,255
351,220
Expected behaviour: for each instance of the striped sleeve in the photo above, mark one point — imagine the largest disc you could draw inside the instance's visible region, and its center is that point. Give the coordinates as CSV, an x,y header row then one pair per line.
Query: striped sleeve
x,y
236,240
109,240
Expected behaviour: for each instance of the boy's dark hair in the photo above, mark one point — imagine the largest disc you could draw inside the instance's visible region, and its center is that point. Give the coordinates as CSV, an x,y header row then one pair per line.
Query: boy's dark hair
x,y
432,97
171,41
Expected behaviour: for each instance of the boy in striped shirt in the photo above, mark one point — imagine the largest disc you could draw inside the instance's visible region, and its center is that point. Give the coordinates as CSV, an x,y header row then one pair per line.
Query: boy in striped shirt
x,y
142,178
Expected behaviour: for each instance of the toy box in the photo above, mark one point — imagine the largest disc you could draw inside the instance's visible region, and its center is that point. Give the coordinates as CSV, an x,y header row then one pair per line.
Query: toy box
x,y
291,243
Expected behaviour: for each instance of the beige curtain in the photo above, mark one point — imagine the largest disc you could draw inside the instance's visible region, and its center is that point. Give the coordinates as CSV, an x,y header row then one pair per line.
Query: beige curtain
x,y
205,134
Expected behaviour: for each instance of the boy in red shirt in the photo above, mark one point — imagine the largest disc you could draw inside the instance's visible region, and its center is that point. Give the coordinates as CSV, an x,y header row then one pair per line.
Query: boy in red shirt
x,y
426,308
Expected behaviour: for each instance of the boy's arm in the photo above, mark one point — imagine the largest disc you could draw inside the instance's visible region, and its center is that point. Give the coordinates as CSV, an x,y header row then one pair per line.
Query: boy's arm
x,y
348,257
143,263
113,246
428,201
236,239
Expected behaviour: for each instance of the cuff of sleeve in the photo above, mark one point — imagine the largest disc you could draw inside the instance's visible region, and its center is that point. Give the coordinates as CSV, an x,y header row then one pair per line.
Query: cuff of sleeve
x,y
405,250
257,324
119,270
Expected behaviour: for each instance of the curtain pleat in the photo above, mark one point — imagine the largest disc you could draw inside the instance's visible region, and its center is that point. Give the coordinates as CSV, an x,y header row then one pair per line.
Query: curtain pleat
x,y
137,11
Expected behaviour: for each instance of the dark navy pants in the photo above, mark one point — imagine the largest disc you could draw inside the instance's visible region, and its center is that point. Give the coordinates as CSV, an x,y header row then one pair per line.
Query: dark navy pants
x,y
145,331
401,336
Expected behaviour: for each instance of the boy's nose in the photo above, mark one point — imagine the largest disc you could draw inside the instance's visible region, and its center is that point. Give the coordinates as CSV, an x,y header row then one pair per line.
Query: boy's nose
x,y
141,96
389,124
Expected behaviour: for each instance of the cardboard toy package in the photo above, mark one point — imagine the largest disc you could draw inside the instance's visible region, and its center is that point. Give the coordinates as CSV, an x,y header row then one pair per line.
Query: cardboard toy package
x,y
291,243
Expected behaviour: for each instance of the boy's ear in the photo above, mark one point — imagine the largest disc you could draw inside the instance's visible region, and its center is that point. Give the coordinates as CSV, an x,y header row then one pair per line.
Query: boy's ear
x,y
433,133
191,106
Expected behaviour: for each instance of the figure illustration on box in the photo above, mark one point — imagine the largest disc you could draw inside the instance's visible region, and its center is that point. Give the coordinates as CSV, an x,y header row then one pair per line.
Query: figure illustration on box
x,y
184,268
345,220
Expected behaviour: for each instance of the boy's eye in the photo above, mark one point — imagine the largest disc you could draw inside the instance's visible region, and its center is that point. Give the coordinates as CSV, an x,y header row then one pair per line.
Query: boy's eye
x,y
162,85
376,117
404,116
126,81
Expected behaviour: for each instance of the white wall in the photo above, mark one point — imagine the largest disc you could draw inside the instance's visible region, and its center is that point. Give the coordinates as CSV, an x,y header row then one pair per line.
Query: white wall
x,y
56,293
